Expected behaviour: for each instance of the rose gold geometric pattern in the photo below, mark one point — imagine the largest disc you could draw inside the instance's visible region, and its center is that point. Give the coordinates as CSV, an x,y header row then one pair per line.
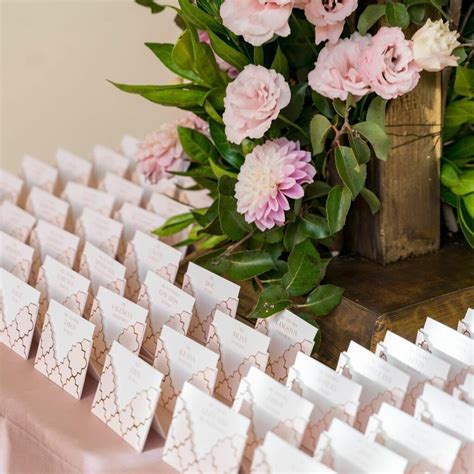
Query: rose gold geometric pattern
x,y
464,463
21,270
109,246
58,220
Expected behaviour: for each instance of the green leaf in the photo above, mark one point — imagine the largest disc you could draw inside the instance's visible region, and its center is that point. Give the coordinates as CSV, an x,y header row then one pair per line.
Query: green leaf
x,y
153,6
461,150
352,174
324,299
227,53
212,112
182,98
459,112
270,301
340,107
377,138
280,63
205,62
371,199
315,227
469,204
228,153
248,264
465,184
466,223
323,104
397,15
360,148
212,261
417,14
304,269
182,54
199,18
376,111
197,146
369,17
293,235
337,207
319,129
293,110
174,224
316,189
258,55
219,171
449,176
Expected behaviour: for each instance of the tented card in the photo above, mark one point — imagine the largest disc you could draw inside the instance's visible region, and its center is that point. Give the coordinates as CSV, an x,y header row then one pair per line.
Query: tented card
x,y
38,173
15,221
129,147
72,168
10,187
465,391
466,325
79,197
107,160
15,256
64,348
45,206
122,189
205,435
332,395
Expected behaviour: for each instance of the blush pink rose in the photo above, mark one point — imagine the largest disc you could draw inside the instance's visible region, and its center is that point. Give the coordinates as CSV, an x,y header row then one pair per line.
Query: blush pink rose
x,y
336,72
328,16
388,64
223,66
257,20
253,100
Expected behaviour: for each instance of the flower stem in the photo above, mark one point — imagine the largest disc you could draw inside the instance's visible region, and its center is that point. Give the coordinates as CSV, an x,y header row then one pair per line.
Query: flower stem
x,y
292,124
232,247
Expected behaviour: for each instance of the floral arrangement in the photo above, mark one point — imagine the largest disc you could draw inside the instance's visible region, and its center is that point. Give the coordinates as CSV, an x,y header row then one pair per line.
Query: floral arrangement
x,y
287,102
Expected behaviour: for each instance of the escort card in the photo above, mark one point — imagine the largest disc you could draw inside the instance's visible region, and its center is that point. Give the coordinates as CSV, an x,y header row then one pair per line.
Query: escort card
x,y
163,186
129,147
127,395
345,449
451,346
122,190
167,305
426,449
270,406
205,435
420,365
332,395
454,417
15,256
38,173
47,207
64,348
146,253
15,221
381,382
107,160
212,293
99,230
289,335
239,347
465,391
79,197
277,456
57,281
115,319
19,304
10,187
72,168
466,325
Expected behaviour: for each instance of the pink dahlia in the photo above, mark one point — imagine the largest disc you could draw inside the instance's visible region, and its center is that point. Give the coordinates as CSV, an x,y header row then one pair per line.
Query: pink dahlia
x,y
272,173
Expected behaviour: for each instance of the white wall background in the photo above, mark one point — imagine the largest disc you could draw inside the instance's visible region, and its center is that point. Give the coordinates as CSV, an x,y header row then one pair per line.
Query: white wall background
x,y
55,58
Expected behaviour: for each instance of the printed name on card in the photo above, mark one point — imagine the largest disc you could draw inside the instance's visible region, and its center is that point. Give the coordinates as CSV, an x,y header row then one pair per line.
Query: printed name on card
x,y
289,335
11,187
466,325
15,221
38,173
127,395
79,197
239,347
122,190
45,206
64,348
72,168
107,160
202,430
332,395
15,256
212,293
19,304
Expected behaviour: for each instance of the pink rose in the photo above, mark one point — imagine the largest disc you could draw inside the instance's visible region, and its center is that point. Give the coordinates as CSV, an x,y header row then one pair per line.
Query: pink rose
x,y
257,20
328,16
388,65
223,66
253,100
336,72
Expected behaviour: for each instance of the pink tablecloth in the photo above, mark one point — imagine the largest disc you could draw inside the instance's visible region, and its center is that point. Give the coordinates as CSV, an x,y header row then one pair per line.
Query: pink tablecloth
x,y
45,430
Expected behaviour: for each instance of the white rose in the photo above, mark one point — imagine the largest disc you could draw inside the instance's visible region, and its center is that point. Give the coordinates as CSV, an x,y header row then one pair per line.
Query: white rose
x,y
433,45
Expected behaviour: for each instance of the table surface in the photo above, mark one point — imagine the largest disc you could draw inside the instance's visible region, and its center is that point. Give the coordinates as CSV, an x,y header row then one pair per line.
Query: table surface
x,y
45,430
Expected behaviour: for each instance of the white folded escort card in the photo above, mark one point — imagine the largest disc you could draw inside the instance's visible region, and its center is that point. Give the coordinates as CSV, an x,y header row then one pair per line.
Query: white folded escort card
x,y
167,305
212,293
79,197
451,346
345,449
72,168
420,365
115,319
239,347
64,348
289,335
57,281
15,221
38,173
180,360
381,382
454,417
19,304
427,449
10,187
332,395
205,435
466,325
270,406
127,395
129,147
15,256
465,391
146,253
277,456
121,189
45,206
107,160
99,230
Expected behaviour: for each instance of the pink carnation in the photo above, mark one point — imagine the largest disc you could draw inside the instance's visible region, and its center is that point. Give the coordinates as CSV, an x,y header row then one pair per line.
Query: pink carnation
x,y
191,120
272,173
223,66
328,16
388,64
253,100
257,20
336,72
